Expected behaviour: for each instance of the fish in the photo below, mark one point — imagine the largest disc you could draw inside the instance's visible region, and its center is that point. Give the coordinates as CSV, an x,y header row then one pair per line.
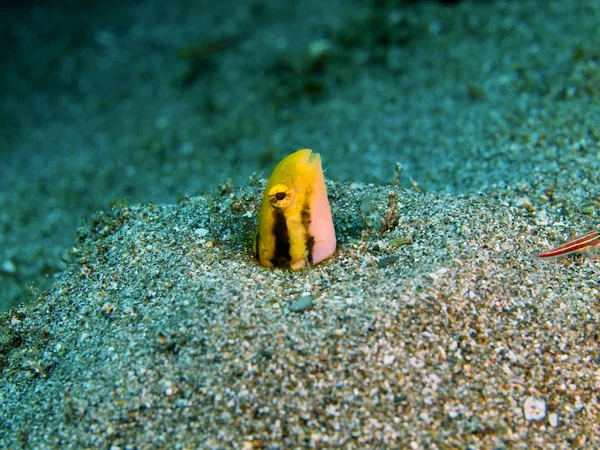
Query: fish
x,y
295,227
579,244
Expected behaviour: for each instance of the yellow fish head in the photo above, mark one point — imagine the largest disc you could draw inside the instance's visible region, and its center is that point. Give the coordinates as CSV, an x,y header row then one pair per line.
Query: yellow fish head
x,y
295,227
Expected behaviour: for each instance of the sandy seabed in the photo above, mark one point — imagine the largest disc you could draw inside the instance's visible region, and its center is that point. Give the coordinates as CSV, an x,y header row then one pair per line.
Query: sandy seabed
x,y
440,332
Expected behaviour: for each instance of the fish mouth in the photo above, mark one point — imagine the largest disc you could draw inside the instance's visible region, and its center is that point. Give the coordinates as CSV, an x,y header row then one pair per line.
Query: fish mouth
x,y
312,158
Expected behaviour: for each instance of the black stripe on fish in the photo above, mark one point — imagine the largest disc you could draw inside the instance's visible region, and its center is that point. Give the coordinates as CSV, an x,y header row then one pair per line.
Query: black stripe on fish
x,y
309,240
282,256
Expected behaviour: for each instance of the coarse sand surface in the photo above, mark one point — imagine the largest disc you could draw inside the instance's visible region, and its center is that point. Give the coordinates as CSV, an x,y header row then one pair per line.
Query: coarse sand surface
x,y
441,332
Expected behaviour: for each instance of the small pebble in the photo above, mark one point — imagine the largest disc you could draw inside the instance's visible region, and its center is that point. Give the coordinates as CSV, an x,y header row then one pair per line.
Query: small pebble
x,y
534,408
401,240
319,49
388,359
553,418
386,261
201,232
8,266
304,303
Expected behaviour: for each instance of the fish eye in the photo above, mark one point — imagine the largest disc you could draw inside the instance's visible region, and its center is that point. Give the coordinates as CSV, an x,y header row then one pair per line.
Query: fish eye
x,y
281,196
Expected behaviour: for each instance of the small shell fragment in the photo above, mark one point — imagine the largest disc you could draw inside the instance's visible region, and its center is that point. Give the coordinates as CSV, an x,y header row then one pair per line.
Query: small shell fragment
x,y
534,408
